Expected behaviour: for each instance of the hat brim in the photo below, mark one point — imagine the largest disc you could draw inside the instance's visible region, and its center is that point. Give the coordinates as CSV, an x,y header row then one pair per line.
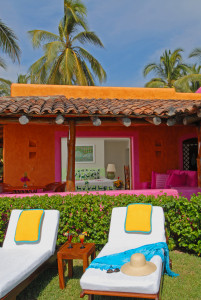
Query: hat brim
x,y
147,269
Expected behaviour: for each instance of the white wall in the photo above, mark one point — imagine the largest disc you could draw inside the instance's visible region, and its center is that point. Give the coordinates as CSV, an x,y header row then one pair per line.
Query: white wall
x,y
98,151
107,150
116,152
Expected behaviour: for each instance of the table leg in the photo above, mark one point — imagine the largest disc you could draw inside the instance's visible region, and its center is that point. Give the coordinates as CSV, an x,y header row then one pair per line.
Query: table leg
x,y
93,255
85,263
70,268
61,273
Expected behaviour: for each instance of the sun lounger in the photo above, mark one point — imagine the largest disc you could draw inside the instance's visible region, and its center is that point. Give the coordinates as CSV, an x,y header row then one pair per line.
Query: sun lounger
x,y
21,263
98,282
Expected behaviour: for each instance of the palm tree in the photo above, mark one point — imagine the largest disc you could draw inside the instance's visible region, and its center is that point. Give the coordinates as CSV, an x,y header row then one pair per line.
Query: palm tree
x,y
64,60
8,44
23,78
168,70
5,84
5,87
191,82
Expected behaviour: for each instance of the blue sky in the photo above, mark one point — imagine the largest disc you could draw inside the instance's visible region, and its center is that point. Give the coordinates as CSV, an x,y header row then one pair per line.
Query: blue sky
x,y
133,32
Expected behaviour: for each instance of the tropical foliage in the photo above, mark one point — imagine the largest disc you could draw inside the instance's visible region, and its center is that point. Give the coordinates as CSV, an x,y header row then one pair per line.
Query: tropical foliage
x,y
8,44
190,82
169,69
64,60
92,213
4,87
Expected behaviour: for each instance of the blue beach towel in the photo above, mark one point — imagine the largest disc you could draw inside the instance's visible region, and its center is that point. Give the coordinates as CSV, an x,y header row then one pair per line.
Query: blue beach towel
x,y
117,260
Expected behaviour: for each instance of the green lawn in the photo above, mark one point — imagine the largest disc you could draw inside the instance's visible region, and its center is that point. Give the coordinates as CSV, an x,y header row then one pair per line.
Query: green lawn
x,y
185,287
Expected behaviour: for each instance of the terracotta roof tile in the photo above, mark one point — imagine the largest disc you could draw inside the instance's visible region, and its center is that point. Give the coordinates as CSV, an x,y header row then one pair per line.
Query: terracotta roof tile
x,y
51,105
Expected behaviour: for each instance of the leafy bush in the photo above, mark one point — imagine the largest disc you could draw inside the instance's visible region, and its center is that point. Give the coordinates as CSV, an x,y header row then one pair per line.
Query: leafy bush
x,y
92,213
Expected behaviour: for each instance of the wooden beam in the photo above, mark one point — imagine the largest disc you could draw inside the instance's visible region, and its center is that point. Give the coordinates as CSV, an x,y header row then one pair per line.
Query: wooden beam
x,y
171,122
171,111
125,121
199,113
155,120
191,119
96,121
70,179
199,156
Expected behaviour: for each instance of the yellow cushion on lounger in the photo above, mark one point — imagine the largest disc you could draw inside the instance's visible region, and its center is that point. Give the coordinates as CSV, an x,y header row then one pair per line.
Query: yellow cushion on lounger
x,y
138,218
28,226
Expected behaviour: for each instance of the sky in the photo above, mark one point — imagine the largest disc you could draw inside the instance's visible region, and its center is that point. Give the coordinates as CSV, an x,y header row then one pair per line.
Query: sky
x,y
134,33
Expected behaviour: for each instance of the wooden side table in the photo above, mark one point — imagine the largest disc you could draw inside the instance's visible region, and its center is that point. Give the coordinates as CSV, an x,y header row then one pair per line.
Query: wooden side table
x,y
73,253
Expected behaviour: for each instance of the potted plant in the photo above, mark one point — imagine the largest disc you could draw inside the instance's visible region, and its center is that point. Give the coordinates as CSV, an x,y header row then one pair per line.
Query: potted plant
x,y
118,184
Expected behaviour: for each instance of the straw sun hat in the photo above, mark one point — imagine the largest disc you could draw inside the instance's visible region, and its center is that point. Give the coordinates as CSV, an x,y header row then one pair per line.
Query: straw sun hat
x,y
138,266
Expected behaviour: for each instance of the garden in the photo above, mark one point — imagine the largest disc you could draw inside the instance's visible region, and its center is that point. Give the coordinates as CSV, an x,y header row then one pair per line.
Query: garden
x,y
92,213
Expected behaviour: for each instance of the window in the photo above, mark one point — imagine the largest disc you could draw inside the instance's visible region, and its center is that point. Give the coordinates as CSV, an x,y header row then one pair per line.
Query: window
x,y
190,152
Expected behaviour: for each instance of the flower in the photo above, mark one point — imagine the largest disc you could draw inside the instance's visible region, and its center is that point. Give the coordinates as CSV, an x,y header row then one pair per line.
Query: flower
x,y
25,178
118,183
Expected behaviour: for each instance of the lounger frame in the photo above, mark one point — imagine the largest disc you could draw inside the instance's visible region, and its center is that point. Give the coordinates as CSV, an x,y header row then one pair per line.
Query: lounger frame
x,y
91,293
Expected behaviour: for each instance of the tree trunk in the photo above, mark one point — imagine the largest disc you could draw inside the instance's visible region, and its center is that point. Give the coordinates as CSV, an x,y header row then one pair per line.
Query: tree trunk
x,y
70,179
199,156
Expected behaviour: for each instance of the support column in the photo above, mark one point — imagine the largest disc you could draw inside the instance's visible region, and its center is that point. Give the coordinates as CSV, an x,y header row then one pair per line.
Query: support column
x,y
70,179
199,155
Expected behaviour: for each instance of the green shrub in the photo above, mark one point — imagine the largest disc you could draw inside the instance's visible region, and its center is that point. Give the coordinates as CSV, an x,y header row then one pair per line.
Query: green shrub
x,y
92,213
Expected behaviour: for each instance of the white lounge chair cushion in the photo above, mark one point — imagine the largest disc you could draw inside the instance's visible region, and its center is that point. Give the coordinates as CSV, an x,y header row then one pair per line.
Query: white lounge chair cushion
x,y
118,235
119,241
18,261
16,265
95,279
49,229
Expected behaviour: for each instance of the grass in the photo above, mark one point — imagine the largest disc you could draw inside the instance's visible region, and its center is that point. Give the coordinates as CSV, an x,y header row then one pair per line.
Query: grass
x,y
186,287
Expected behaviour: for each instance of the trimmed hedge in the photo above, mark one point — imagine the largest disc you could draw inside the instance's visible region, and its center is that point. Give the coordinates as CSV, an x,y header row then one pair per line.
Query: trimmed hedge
x,y
92,213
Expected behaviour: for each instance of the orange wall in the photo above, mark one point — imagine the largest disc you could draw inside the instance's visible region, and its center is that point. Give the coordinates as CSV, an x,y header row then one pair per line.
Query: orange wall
x,y
99,92
18,140
159,148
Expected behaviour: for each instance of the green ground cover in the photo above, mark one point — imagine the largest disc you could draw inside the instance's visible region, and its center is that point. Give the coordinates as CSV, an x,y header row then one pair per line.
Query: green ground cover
x,y
185,287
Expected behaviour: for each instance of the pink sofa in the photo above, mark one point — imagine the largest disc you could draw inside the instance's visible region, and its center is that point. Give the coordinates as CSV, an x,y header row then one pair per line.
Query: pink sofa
x,y
174,178
185,183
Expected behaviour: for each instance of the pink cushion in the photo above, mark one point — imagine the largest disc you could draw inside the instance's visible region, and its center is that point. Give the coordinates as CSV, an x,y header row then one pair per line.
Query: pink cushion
x,y
176,180
145,185
191,179
153,180
161,180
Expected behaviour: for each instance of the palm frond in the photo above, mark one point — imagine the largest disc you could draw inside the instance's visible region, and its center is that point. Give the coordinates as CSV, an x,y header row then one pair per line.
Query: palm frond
x,y
80,75
95,65
68,66
53,50
39,36
8,42
196,53
152,67
5,87
2,63
38,71
88,74
88,36
188,84
156,83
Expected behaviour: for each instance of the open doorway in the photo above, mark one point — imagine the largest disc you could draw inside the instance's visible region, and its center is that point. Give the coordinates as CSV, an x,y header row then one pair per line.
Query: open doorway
x,y
93,155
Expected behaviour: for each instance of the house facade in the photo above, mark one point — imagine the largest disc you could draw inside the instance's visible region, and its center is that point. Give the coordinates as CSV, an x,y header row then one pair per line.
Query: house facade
x,y
161,133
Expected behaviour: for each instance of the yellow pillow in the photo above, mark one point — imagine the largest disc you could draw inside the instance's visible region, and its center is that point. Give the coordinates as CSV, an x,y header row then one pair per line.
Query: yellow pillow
x,y
138,218
29,226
